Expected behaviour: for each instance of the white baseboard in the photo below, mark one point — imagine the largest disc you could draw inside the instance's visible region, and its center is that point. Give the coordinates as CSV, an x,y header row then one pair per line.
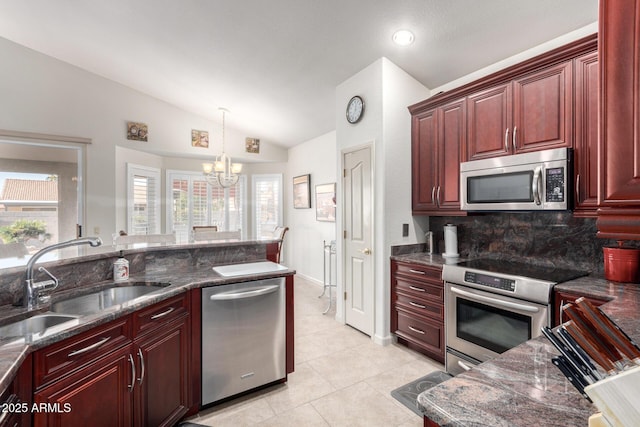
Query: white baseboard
x,y
310,279
383,341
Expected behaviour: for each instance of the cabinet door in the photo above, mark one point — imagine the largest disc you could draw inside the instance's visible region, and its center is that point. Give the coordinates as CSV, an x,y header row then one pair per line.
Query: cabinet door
x,y
586,134
98,395
620,104
542,110
489,123
162,375
424,165
451,151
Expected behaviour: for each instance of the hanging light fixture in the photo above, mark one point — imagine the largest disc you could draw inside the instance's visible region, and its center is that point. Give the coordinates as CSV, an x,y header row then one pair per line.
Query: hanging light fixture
x,y
222,172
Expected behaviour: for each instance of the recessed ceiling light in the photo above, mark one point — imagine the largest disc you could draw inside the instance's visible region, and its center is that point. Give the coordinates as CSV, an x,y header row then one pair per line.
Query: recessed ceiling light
x,y
403,37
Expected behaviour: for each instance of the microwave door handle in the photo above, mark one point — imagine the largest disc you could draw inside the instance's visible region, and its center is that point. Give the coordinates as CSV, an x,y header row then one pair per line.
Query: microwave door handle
x,y
535,185
496,302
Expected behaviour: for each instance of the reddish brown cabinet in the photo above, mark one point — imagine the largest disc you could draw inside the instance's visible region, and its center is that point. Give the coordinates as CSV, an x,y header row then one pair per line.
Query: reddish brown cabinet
x,y
530,113
619,150
438,147
561,298
16,400
586,135
131,371
417,308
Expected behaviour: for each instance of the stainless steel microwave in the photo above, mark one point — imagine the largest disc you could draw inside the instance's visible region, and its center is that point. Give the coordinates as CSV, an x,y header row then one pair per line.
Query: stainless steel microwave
x,y
540,180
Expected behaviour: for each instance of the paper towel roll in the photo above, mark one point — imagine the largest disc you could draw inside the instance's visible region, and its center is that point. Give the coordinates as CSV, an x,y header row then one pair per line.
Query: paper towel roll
x,y
450,241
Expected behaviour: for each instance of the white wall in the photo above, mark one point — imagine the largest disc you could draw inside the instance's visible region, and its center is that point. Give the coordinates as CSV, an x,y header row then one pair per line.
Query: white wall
x,y
44,95
387,91
303,244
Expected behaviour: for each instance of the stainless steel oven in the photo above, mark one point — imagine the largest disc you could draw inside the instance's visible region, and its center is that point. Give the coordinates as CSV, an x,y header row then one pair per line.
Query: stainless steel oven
x,y
492,306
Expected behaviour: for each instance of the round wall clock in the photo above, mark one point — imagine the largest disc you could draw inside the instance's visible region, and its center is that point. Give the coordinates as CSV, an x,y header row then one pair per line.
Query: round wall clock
x,y
355,109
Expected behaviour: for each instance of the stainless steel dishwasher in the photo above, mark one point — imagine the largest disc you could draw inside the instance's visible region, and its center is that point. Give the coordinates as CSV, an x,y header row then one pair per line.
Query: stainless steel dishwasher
x,y
243,337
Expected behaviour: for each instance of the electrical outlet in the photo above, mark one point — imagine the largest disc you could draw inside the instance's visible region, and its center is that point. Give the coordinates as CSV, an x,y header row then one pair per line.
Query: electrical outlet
x,y
405,230
96,230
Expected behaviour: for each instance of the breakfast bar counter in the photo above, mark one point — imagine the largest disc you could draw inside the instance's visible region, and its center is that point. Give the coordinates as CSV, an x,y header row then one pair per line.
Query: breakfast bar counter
x,y
522,387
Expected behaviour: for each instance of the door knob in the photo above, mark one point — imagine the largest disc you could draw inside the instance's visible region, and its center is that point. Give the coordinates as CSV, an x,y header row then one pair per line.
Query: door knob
x,y
366,251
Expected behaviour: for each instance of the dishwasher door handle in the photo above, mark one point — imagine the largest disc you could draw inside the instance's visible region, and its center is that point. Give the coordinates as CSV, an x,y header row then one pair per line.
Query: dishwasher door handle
x,y
246,294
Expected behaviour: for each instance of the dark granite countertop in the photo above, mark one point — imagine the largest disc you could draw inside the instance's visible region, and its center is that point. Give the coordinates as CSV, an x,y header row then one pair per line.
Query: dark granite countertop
x,y
522,387
13,351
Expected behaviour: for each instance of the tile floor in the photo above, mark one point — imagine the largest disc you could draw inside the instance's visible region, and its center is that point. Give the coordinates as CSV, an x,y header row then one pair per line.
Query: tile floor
x,y
341,377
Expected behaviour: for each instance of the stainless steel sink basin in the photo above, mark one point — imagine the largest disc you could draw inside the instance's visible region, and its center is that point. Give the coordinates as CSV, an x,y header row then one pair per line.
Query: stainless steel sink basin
x,y
34,325
105,298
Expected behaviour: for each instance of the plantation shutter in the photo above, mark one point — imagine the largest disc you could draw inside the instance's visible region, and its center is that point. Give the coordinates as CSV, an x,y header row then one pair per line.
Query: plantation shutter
x,y
267,202
143,200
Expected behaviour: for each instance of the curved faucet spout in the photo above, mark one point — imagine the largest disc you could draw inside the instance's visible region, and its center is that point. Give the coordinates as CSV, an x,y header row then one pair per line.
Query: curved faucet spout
x,y
30,289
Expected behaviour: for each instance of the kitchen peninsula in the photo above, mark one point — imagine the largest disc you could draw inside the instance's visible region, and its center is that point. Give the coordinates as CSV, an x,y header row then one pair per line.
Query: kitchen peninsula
x,y
181,270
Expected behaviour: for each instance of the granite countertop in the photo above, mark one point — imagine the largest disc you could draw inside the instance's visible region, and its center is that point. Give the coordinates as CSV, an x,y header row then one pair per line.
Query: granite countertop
x,y
13,351
521,387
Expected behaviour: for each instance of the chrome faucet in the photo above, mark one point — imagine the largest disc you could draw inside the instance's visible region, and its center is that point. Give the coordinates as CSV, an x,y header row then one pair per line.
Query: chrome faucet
x,y
32,289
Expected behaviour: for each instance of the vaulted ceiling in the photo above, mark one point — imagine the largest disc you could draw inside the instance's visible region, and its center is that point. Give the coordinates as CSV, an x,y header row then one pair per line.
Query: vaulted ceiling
x,y
275,64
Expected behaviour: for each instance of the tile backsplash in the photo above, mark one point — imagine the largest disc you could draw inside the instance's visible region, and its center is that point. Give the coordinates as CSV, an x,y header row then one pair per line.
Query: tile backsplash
x,y
544,238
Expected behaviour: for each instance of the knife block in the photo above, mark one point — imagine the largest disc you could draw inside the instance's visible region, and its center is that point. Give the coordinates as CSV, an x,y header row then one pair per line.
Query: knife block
x,y
618,397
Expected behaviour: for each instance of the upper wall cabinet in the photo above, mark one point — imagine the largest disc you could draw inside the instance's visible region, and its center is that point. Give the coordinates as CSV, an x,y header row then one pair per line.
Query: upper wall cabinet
x,y
526,107
530,113
437,146
619,151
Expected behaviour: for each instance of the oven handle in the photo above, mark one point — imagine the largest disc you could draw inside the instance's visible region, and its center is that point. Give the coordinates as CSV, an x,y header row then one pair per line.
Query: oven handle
x,y
494,301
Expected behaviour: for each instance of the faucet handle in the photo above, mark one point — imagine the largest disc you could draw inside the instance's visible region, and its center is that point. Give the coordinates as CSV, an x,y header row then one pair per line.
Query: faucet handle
x,y
46,284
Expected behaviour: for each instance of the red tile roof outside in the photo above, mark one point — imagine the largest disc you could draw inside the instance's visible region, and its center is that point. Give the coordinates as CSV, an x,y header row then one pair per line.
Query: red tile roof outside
x,y
29,190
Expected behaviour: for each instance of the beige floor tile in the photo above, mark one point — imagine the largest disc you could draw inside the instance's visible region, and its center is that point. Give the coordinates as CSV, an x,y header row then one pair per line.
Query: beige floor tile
x,y
248,413
345,368
360,405
303,386
304,415
402,374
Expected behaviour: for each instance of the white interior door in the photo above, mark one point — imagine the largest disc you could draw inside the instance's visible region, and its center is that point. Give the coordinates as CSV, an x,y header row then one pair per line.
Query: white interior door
x,y
358,262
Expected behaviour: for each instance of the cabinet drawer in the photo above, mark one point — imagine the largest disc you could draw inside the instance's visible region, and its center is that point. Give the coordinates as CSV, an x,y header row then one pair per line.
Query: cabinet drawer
x,y
159,314
419,289
59,359
420,272
422,331
420,306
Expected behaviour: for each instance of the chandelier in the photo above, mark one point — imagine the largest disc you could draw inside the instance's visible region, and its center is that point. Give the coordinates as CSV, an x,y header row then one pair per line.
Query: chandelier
x,y
222,172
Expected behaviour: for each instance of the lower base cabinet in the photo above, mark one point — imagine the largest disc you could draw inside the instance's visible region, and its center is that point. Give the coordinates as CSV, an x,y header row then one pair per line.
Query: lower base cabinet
x,y
133,371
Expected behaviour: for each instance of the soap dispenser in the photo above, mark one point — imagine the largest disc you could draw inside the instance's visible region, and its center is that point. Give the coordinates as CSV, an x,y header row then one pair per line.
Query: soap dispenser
x,y
121,269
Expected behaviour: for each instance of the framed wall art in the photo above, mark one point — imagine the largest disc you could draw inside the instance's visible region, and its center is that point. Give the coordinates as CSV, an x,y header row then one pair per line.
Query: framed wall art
x,y
137,131
252,145
326,202
199,138
301,192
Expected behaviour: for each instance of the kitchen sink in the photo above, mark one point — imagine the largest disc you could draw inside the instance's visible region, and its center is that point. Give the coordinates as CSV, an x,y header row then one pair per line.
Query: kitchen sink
x,y
248,268
34,325
105,298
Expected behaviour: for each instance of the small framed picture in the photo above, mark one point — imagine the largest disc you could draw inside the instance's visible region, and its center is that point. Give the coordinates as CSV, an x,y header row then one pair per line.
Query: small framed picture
x,y
301,192
252,145
199,138
137,131
326,202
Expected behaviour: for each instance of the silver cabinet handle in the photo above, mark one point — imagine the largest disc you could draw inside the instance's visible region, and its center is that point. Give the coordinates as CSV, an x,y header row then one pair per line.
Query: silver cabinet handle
x,y
416,330
464,365
560,312
578,188
415,304
433,195
535,185
438,197
506,140
133,373
248,294
164,313
89,348
515,132
141,357
415,288
417,271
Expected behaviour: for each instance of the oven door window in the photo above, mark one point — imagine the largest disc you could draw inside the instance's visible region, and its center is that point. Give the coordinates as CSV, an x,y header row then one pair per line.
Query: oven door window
x,y
502,188
492,328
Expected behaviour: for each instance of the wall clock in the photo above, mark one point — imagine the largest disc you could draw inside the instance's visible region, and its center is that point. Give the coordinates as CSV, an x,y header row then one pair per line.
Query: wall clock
x,y
355,109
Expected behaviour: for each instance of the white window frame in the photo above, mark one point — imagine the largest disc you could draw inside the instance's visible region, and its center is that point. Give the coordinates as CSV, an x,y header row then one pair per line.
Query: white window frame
x,y
254,181
189,175
149,172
